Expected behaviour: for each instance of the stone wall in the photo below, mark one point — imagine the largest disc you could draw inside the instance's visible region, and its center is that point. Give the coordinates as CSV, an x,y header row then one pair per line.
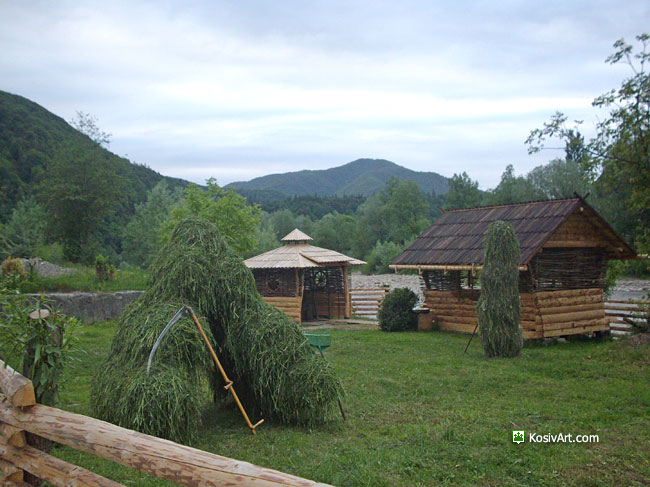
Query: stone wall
x,y
90,307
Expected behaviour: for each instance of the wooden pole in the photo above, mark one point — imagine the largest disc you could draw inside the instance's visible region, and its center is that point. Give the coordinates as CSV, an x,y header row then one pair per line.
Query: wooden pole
x,y
53,470
18,389
229,383
348,299
160,458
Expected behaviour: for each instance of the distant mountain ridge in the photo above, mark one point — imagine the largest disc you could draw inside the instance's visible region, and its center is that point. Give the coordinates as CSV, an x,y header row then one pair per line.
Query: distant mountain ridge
x,y
361,177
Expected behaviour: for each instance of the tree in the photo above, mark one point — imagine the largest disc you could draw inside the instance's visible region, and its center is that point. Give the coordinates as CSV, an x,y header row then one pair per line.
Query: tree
x,y
559,179
397,213
335,231
463,192
512,189
77,191
24,231
620,151
141,238
498,306
87,125
282,221
227,210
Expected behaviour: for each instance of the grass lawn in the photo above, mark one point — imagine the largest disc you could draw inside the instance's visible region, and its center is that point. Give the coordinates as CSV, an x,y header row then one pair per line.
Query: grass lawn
x,y
421,413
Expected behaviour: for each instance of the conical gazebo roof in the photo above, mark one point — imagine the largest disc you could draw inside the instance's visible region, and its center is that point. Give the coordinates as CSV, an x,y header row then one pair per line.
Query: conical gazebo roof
x,y
297,254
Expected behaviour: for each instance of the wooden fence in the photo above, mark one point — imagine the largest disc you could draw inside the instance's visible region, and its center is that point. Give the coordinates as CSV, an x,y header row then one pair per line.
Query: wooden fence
x,y
624,314
161,458
366,301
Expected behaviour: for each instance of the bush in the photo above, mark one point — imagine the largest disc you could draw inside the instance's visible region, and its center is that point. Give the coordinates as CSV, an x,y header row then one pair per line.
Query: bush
x,y
12,273
396,311
498,306
103,269
40,348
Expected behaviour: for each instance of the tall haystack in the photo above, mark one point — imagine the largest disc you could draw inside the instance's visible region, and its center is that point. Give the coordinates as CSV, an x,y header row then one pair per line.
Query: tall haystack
x,y
276,373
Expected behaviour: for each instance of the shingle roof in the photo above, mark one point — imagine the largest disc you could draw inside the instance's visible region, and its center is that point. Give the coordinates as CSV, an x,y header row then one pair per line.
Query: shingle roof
x,y
299,255
296,235
457,237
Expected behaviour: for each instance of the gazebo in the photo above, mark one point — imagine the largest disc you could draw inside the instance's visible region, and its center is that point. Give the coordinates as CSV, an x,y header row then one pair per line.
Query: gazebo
x,y
565,246
304,281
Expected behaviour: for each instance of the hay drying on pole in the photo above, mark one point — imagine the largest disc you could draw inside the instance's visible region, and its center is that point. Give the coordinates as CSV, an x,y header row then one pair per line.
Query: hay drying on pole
x,y
276,373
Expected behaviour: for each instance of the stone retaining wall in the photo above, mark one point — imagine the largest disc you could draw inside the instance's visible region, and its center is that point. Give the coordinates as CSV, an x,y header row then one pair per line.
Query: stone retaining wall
x,y
90,307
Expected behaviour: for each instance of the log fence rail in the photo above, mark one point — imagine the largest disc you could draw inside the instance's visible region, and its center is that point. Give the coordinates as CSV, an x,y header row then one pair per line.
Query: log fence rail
x,y
366,301
624,314
186,466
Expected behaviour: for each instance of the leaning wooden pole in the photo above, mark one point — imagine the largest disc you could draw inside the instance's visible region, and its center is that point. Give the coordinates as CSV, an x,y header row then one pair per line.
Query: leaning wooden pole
x,y
155,456
229,383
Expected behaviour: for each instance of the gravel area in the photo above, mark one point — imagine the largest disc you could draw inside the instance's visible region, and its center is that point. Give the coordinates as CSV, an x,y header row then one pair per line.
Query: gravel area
x,y
45,269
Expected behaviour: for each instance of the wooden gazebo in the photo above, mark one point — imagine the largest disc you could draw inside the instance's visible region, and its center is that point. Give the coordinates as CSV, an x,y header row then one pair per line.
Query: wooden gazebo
x,y
304,281
565,246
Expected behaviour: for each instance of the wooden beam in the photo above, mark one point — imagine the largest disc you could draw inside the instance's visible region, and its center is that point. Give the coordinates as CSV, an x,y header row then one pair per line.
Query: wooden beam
x,y
53,470
10,472
11,436
436,267
346,290
18,389
160,458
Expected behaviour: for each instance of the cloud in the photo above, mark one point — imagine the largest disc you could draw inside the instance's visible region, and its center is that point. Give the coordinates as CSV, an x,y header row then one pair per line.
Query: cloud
x,y
240,89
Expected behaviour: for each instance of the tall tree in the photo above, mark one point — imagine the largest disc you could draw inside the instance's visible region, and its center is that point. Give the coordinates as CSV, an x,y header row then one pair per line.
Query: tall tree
x,y
512,189
78,190
463,192
141,238
620,151
227,210
87,125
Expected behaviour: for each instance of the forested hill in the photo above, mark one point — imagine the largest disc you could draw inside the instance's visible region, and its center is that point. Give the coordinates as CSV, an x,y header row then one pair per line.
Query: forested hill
x,y
32,138
361,177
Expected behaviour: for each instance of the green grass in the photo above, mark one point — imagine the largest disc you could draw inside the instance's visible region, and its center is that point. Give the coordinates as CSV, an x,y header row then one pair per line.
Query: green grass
x,y
85,280
422,413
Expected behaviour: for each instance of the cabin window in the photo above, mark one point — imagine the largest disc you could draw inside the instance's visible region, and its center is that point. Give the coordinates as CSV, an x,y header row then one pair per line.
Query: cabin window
x,y
275,282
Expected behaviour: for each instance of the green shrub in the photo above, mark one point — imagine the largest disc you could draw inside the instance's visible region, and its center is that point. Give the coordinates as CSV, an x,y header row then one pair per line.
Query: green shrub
x,y
498,306
396,311
12,273
39,348
104,270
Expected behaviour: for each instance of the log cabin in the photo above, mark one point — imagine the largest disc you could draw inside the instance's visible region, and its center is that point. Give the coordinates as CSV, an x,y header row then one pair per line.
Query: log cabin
x,y
565,246
304,281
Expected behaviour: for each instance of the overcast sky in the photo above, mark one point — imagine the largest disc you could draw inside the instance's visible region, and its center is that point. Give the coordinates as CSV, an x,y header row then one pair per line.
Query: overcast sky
x,y
240,89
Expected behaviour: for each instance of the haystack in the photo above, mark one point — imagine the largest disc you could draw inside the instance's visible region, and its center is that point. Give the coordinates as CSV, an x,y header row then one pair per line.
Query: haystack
x,y
276,373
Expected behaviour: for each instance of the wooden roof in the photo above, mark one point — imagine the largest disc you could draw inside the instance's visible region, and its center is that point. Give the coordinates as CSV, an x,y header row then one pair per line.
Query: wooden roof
x,y
299,255
457,237
296,236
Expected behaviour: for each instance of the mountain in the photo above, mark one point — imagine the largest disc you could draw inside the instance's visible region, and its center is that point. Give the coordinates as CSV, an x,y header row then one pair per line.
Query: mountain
x,y
30,136
360,177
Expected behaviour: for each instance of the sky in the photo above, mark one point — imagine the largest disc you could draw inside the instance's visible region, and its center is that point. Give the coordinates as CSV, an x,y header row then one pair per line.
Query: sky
x,y
236,90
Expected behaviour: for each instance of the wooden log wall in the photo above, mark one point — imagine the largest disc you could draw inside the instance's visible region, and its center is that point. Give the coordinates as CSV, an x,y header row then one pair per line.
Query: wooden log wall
x,y
571,312
292,306
543,314
161,458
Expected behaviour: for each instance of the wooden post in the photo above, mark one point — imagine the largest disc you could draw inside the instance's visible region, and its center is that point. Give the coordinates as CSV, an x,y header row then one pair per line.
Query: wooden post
x,y
346,291
161,458
18,389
